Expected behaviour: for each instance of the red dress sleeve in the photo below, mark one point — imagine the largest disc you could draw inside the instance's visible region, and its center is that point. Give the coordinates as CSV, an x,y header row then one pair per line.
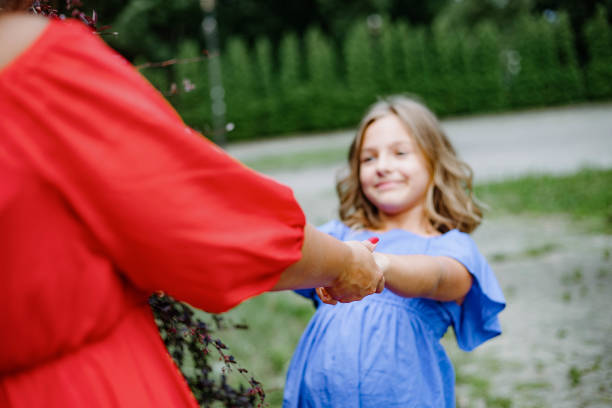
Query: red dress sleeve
x,y
173,211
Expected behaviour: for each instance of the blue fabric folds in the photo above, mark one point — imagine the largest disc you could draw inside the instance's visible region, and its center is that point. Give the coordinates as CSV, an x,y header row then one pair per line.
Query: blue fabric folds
x,y
475,321
384,350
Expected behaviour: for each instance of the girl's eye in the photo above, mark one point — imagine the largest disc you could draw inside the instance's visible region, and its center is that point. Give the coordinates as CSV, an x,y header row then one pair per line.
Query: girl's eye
x,y
402,152
367,159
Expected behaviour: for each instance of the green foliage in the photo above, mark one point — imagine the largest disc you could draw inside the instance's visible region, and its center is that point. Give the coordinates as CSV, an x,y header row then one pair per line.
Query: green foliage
x,y
393,59
571,86
276,322
532,84
485,70
599,68
240,95
265,87
362,70
418,77
452,91
293,95
585,195
323,83
312,83
193,104
154,28
464,14
159,78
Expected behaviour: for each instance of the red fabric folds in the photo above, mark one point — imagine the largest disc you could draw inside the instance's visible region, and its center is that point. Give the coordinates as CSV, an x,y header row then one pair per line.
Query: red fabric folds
x,y
106,196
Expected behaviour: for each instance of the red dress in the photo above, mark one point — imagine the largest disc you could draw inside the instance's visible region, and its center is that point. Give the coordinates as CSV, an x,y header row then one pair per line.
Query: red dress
x,y
105,197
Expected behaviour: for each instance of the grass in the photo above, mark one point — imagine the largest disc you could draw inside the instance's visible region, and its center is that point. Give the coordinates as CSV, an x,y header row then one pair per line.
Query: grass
x,y
473,387
531,252
585,196
298,160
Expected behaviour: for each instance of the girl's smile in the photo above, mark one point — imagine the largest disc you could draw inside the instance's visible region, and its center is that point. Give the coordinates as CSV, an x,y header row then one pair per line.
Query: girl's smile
x,y
387,185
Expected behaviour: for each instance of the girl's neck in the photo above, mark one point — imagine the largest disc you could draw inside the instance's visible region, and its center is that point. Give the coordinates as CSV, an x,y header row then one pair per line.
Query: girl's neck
x,y
414,221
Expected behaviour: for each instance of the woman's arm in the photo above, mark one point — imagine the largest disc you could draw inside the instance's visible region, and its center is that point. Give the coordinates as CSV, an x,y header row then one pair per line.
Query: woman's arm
x,y
347,269
434,277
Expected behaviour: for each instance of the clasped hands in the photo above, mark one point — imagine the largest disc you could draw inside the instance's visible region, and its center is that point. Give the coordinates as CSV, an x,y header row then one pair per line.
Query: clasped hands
x,y
362,276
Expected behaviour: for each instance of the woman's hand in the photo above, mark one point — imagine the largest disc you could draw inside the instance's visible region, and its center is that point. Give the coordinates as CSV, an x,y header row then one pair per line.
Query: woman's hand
x,y
361,277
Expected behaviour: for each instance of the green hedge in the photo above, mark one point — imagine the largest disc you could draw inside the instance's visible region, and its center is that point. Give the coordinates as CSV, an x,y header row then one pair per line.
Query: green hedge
x,y
310,83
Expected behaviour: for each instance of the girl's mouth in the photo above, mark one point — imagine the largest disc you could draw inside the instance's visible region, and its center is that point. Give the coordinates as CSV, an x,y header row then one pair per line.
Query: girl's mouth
x,y
386,185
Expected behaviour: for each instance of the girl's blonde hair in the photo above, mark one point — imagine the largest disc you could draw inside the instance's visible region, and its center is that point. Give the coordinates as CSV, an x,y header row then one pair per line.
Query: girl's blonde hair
x,y
449,202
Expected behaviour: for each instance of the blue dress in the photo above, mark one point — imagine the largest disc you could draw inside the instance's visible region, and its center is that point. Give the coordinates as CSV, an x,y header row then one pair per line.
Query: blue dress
x,y
385,351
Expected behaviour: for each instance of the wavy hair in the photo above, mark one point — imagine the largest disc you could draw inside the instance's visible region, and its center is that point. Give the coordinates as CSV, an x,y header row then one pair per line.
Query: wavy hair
x,y
449,203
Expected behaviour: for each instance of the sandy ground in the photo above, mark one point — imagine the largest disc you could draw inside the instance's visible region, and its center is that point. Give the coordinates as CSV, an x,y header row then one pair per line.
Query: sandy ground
x,y
556,346
556,349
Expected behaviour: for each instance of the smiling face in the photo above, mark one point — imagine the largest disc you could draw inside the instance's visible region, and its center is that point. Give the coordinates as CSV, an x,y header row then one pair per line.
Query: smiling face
x,y
393,172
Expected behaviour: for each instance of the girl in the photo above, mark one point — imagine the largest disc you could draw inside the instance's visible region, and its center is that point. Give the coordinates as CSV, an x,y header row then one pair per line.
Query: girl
x,y
407,188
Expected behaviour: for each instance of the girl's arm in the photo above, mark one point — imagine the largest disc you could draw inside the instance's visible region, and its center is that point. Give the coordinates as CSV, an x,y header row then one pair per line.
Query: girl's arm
x,y
434,277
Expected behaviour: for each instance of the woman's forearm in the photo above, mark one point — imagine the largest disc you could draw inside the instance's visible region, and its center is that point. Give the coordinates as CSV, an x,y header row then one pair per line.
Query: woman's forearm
x,y
348,270
320,265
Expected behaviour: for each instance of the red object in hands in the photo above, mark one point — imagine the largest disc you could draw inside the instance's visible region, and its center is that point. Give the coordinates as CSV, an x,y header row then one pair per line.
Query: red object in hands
x,y
373,240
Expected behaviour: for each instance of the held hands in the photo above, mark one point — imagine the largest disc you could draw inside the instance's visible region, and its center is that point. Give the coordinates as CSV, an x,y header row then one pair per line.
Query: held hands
x,y
361,277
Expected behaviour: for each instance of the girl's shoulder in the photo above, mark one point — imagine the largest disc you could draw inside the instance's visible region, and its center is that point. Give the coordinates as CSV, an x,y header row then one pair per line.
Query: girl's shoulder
x,y
453,241
455,236
336,229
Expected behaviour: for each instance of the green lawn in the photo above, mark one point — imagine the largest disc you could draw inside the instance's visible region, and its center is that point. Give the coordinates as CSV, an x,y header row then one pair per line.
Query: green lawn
x,y
298,160
585,196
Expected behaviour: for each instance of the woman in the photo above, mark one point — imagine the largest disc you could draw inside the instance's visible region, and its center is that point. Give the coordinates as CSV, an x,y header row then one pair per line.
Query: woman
x,y
105,197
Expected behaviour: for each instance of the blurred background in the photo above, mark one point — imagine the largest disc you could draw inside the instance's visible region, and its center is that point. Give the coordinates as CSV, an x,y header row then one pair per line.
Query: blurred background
x,y
292,66
524,91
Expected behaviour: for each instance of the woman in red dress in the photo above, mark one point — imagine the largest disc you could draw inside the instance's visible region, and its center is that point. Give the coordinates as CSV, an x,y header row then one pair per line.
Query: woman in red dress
x,y
105,197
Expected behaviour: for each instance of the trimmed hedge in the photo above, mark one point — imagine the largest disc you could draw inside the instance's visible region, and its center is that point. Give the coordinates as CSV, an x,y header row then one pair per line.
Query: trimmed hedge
x,y
309,84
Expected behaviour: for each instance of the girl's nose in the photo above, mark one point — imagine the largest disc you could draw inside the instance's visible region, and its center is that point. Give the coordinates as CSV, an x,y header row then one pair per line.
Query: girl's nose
x,y
383,164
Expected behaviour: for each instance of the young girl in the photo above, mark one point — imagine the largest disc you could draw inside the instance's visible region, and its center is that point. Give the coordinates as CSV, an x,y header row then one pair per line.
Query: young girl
x,y
408,189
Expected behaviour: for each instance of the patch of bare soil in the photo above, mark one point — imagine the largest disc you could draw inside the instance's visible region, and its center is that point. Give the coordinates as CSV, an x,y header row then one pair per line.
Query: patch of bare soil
x,y
556,348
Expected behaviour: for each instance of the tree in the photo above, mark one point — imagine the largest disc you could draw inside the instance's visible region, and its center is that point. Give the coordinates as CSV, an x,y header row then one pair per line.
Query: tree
x,y
465,14
599,67
485,71
239,83
417,78
570,81
533,81
192,97
293,96
325,91
155,29
361,68
453,87
265,88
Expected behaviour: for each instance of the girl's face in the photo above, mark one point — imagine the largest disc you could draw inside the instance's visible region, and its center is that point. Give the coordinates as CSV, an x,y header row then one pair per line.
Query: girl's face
x,y
394,174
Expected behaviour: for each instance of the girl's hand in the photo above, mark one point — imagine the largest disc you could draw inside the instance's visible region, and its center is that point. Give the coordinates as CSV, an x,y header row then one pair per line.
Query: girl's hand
x,y
382,261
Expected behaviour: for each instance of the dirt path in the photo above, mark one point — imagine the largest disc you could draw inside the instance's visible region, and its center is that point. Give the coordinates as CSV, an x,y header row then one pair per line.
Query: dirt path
x,y
556,349
496,146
